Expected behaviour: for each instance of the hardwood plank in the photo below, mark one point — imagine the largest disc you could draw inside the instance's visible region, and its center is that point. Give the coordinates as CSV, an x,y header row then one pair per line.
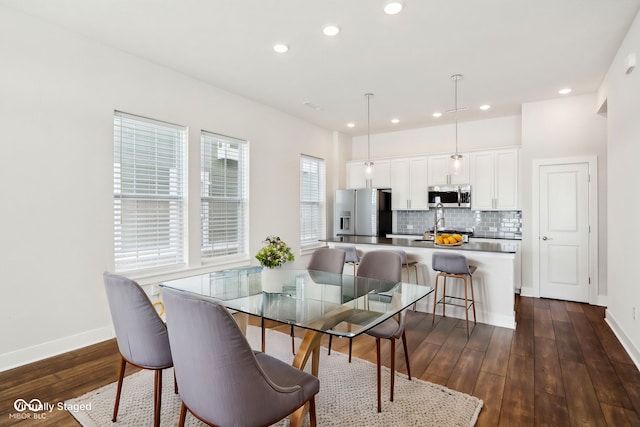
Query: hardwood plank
x,y
522,342
558,311
566,342
575,307
615,351
489,388
496,360
480,337
519,397
630,378
541,303
619,417
542,324
524,308
465,373
441,330
447,357
582,402
551,410
548,375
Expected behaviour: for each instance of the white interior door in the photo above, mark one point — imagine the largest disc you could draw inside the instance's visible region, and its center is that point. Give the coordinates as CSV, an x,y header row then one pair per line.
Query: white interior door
x,y
564,231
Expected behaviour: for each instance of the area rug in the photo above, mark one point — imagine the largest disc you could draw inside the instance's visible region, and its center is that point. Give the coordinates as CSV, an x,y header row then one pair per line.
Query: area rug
x,y
347,396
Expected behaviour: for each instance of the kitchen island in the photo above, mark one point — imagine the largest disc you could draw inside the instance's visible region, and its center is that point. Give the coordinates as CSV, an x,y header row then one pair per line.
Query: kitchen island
x,y
494,280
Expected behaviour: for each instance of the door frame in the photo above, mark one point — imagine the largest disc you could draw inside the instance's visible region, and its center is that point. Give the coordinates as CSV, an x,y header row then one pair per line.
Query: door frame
x,y
592,162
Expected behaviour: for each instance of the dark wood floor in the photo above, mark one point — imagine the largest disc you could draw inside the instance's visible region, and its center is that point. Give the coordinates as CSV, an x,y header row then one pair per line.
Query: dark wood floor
x,y
561,367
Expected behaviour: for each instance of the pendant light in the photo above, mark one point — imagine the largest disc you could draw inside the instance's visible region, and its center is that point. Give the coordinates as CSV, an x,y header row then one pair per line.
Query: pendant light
x,y
368,164
456,159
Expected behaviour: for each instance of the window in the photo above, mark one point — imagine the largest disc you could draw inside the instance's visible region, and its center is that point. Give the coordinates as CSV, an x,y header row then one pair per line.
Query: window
x,y
312,201
148,170
224,196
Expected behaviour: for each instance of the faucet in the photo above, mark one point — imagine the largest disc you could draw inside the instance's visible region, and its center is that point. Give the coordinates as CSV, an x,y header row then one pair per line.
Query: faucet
x,y
438,218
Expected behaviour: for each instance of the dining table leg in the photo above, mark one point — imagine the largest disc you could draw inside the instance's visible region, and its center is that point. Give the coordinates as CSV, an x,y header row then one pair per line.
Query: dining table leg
x,y
310,347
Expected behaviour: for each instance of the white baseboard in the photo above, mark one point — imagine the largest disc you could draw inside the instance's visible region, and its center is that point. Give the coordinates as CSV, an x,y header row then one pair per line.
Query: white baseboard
x,y
34,353
529,292
628,345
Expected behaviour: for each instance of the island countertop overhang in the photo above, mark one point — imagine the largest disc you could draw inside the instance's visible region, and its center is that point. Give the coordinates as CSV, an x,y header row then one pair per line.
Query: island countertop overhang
x,y
493,247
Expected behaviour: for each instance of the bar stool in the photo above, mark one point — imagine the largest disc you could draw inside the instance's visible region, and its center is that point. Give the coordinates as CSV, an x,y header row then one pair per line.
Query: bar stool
x,y
351,256
407,264
453,265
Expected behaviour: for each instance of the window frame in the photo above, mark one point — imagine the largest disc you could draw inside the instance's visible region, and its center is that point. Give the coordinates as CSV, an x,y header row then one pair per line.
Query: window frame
x,y
318,227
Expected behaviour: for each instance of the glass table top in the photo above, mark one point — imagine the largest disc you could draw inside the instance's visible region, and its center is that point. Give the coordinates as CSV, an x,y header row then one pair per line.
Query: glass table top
x,y
338,304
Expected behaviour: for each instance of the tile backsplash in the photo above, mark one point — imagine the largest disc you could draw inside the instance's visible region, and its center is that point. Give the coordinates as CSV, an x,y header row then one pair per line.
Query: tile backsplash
x,y
498,224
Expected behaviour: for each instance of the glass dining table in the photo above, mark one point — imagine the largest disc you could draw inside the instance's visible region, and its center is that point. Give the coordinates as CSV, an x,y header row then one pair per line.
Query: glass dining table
x,y
320,302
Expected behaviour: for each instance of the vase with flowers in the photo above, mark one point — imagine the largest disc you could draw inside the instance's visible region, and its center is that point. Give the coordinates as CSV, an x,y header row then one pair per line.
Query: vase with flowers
x,y
274,253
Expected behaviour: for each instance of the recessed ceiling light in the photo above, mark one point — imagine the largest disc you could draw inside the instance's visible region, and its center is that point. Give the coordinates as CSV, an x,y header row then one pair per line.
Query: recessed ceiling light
x,y
485,107
280,48
331,30
437,114
393,7
564,91
395,121
350,125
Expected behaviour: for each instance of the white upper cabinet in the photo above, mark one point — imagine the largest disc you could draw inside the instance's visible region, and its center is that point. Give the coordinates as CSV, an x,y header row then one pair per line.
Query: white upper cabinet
x,y
380,176
409,184
494,180
439,174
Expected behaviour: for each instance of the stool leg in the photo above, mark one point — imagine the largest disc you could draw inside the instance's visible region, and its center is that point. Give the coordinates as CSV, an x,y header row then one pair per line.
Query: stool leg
x,y
444,296
435,300
473,299
466,306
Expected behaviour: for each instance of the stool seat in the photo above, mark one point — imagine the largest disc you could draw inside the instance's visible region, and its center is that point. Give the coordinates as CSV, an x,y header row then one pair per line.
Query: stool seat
x,y
351,256
454,266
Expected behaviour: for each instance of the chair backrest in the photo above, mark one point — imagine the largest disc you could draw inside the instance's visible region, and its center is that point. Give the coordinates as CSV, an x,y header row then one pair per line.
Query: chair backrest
x,y
141,334
352,254
384,265
449,263
219,377
327,259
403,255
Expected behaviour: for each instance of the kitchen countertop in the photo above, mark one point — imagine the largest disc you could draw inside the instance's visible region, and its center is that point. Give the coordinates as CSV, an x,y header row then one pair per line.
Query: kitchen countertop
x,y
475,235
505,247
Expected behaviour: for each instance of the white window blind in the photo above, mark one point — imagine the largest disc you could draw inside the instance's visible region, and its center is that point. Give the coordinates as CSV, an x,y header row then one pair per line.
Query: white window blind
x,y
312,201
224,214
148,193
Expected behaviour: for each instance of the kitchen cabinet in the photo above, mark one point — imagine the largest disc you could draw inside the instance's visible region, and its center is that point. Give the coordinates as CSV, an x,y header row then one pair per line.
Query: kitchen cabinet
x,y
494,180
380,176
409,184
439,173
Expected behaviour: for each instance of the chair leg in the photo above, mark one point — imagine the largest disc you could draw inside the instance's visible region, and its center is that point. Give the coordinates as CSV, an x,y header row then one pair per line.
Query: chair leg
x,y
263,337
378,371
473,298
312,411
393,366
444,295
330,339
435,300
466,305
157,401
123,365
293,343
350,348
406,353
175,382
183,415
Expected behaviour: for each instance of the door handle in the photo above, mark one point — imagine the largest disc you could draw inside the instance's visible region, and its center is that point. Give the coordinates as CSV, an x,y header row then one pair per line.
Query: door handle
x,y
546,238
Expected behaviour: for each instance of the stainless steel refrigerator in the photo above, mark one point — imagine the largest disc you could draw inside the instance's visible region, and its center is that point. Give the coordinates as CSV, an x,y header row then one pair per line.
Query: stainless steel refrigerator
x,y
362,212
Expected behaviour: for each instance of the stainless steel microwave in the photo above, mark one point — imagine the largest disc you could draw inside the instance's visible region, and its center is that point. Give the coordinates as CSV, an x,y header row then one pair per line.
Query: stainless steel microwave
x,y
451,196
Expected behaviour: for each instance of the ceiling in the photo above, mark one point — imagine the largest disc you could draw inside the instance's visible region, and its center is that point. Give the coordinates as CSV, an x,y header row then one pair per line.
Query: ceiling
x,y
509,52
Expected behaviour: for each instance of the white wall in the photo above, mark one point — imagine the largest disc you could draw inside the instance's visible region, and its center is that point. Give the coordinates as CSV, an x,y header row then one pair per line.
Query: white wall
x,y
58,92
560,128
490,133
623,134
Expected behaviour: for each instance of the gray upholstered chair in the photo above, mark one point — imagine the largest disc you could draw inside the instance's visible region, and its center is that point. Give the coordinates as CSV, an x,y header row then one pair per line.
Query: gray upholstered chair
x,y
454,266
141,334
408,264
221,380
385,265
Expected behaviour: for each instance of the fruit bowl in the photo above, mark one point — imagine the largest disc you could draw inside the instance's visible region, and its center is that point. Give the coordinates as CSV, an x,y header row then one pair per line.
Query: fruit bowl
x,y
448,240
